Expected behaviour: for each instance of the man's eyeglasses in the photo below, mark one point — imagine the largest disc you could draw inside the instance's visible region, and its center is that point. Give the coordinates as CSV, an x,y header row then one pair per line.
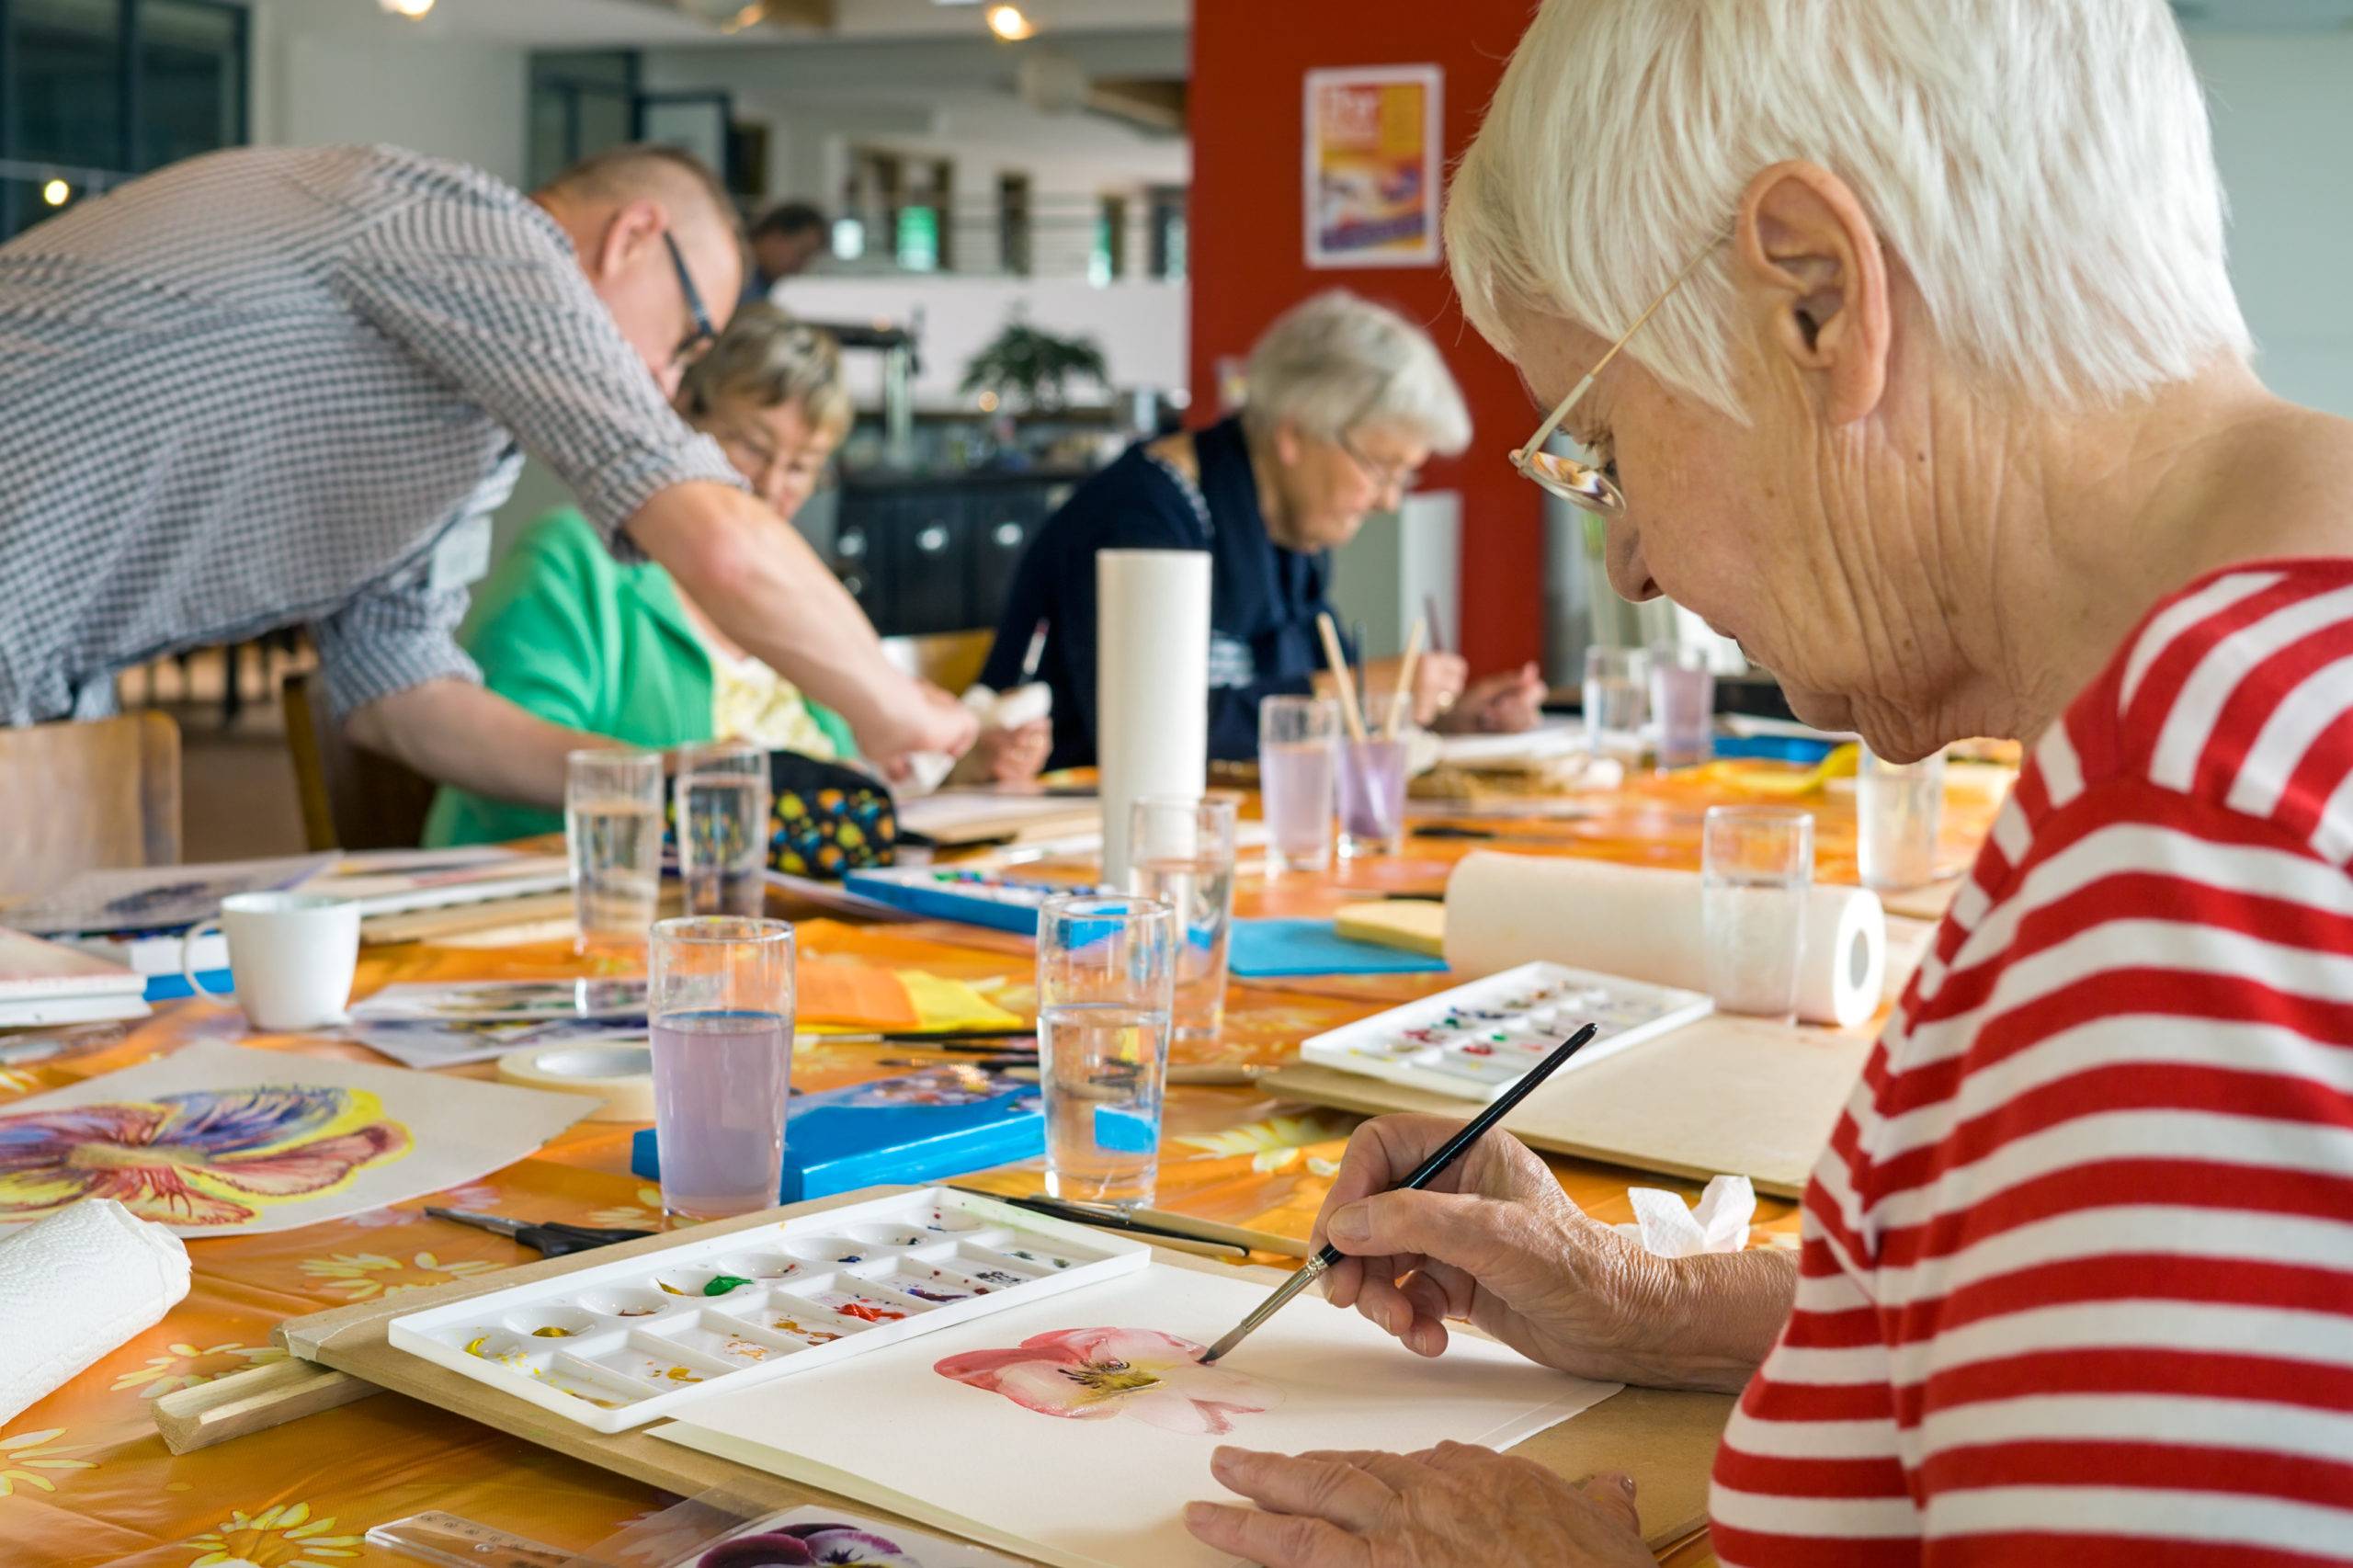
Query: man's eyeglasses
x,y
703,334
1591,485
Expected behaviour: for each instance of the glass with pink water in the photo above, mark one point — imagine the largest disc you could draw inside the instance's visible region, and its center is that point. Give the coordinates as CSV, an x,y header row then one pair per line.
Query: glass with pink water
x,y
720,997
1298,746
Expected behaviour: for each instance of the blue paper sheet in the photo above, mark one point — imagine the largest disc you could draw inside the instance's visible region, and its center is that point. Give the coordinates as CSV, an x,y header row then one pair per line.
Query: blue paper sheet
x,y
1267,949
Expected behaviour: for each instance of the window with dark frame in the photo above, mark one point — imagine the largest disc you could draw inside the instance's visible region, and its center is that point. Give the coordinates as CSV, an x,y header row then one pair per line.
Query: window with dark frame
x,y
95,92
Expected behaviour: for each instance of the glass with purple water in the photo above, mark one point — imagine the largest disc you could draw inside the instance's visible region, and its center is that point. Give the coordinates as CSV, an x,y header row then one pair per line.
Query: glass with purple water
x,y
1298,752
1683,706
1373,796
720,995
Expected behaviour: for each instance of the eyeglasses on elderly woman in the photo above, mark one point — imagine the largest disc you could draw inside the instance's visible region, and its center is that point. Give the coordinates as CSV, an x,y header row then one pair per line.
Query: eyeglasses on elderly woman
x,y
1592,485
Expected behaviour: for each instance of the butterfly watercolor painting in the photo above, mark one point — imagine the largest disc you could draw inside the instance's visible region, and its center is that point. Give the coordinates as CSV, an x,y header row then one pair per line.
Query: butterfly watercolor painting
x,y
201,1158
216,1138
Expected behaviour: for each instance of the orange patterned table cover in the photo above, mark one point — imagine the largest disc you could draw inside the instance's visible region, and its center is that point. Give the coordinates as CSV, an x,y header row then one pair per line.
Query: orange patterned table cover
x,y
85,1480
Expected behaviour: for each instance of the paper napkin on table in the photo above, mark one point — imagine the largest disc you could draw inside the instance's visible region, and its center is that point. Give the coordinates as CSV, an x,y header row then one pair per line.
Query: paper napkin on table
x,y
1719,1224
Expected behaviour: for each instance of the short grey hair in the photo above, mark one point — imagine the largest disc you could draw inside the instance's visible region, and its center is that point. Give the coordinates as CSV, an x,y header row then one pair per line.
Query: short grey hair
x,y
2044,169
768,359
1339,361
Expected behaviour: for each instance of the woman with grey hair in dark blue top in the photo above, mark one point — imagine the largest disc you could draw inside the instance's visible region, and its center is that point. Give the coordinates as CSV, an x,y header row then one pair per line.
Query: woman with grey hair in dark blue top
x,y
1347,399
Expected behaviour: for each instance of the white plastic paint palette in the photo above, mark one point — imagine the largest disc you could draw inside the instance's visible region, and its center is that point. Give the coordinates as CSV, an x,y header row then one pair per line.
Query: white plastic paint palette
x,y
615,1345
1475,1040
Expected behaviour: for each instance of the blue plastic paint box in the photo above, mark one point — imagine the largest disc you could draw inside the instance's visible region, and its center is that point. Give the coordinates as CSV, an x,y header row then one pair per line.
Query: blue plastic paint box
x,y
920,1127
975,898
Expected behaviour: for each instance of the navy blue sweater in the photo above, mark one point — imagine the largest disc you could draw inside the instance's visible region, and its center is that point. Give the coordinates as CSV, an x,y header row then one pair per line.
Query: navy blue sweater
x,y
1263,598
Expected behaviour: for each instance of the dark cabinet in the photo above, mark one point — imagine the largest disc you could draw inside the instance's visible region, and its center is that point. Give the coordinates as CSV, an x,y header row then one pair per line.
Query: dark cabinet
x,y
938,555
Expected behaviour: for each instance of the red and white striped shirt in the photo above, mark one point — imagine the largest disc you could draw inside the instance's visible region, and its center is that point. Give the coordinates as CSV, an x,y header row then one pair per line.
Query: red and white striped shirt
x,y
2078,1277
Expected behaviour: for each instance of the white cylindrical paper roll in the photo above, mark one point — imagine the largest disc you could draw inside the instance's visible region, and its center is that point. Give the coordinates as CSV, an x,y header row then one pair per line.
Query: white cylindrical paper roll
x,y
74,1287
1504,910
1151,683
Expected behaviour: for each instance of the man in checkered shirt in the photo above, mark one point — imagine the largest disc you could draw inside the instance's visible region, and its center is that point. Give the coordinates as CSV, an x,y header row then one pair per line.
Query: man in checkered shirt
x,y
275,386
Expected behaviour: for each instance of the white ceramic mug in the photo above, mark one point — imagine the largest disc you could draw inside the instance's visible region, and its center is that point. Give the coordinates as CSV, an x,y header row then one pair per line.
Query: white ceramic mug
x,y
291,955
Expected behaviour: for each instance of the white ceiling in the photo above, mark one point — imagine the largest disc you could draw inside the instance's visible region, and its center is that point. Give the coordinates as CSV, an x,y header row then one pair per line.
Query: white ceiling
x,y
594,24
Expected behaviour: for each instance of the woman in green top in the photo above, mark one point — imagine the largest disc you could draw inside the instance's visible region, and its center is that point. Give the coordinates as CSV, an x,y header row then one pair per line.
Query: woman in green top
x,y
578,638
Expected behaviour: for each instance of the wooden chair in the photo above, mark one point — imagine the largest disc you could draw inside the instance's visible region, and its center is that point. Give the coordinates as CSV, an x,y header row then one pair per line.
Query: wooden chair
x,y
950,660
100,793
352,797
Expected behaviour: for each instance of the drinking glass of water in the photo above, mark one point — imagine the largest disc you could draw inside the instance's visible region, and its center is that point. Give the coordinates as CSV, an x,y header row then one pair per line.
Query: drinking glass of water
x,y
1297,754
724,827
1181,853
1757,876
1899,807
1373,796
612,824
718,995
1617,701
1683,706
1107,969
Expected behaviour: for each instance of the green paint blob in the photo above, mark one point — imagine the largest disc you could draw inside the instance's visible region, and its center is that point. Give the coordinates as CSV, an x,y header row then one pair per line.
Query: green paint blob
x,y
721,1284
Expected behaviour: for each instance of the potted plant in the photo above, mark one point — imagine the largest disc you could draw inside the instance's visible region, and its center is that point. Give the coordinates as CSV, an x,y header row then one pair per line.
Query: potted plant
x,y
1030,368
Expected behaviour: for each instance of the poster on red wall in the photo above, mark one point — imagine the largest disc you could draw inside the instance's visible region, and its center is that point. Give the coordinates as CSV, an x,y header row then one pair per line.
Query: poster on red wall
x,y
1371,186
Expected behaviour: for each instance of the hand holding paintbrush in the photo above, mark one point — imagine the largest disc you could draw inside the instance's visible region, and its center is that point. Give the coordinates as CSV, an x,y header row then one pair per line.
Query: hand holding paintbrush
x,y
1423,1175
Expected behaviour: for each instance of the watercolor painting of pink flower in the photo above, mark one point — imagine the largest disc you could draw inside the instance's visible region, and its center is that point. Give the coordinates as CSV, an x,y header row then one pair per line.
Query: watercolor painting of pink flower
x,y
1086,1374
844,1546
202,1158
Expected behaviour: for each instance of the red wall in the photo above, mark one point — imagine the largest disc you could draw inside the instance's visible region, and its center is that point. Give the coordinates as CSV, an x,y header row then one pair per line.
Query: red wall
x,y
1246,250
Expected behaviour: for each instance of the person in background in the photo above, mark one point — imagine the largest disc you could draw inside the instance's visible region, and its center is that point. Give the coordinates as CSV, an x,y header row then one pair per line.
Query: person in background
x,y
1347,399
566,632
1948,416
784,241
282,386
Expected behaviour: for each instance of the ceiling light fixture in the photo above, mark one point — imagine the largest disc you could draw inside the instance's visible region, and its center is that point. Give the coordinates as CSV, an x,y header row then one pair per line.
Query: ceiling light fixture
x,y
414,10
1009,24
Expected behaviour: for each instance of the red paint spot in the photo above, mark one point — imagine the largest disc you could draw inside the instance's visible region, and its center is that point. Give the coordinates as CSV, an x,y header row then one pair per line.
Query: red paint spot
x,y
870,1312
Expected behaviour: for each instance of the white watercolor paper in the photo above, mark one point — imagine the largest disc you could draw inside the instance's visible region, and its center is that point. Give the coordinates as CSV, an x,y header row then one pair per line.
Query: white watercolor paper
x,y
1109,1488
219,1140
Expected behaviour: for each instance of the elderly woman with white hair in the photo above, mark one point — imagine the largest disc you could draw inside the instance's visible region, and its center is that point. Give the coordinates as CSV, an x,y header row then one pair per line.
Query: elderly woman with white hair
x,y
1899,344
1347,399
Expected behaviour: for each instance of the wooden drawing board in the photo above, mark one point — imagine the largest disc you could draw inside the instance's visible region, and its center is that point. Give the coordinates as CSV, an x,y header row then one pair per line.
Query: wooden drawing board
x,y
1725,1096
1666,1441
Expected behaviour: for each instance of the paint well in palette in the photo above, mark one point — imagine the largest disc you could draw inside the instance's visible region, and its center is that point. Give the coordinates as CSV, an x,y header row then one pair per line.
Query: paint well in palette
x,y
865,1309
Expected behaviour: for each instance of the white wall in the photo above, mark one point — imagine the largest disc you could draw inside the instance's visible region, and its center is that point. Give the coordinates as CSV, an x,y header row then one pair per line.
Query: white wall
x,y
1140,326
338,71
2283,122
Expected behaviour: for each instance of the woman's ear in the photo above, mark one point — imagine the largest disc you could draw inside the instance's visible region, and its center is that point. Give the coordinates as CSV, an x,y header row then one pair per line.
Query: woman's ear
x,y
1809,260
1290,445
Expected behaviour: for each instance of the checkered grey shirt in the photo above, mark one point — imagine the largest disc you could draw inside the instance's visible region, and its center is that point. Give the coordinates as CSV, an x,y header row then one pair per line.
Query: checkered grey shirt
x,y
257,388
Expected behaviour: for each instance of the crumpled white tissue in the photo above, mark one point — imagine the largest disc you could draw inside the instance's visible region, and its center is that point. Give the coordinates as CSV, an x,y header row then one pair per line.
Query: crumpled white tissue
x,y
1719,1222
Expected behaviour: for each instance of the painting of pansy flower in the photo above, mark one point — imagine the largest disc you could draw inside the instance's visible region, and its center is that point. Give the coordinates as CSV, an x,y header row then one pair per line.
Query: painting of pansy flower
x,y
201,1158
791,1546
1088,1374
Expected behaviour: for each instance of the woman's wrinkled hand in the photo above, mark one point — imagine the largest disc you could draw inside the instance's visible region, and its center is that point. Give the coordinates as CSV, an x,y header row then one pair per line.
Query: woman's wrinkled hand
x,y
1492,1241
1445,1506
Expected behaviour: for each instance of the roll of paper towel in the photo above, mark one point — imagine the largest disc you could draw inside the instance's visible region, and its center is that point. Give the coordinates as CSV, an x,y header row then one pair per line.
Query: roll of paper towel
x,y
1152,685
1503,909
74,1287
